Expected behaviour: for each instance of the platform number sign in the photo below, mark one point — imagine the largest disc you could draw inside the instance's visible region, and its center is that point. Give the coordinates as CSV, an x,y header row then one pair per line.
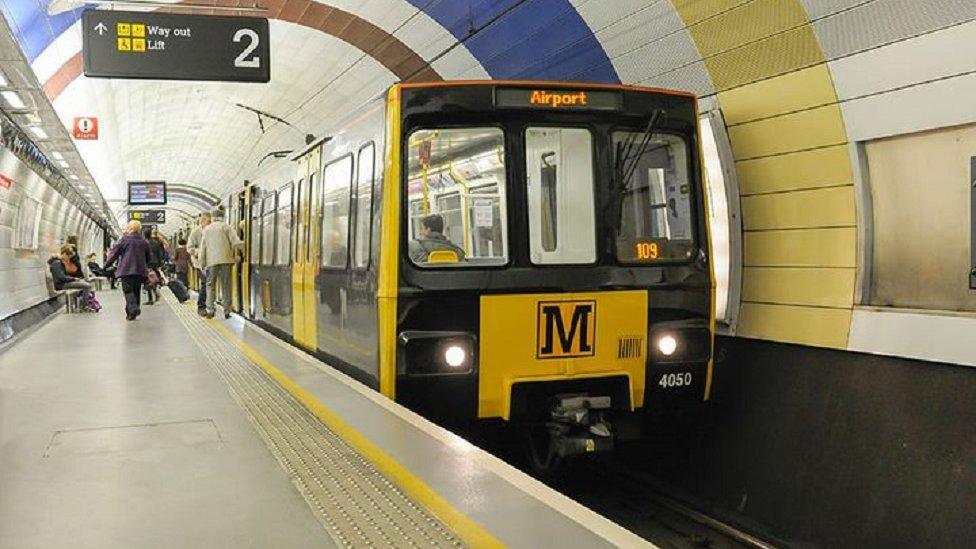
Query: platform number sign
x,y
169,46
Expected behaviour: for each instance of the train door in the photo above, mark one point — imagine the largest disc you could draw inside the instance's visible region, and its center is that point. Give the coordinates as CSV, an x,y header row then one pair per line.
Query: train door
x,y
305,265
247,220
234,218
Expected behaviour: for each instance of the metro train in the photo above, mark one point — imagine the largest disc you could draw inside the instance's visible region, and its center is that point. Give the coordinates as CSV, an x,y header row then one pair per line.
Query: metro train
x,y
530,252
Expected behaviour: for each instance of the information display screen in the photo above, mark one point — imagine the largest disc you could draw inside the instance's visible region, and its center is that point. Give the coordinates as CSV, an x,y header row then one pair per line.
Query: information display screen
x,y
147,193
580,100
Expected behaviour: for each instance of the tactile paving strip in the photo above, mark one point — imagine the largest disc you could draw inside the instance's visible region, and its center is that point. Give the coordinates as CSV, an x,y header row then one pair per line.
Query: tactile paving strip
x,y
355,503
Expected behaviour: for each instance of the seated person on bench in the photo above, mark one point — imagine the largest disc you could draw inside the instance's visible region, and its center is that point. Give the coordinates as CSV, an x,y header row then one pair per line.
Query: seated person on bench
x,y
67,275
96,270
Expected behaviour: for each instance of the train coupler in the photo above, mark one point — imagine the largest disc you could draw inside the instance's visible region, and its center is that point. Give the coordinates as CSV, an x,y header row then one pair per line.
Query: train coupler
x,y
579,425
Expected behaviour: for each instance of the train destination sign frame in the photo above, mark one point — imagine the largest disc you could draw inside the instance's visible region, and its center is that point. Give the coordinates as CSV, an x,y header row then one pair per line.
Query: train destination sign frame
x,y
148,217
147,193
168,46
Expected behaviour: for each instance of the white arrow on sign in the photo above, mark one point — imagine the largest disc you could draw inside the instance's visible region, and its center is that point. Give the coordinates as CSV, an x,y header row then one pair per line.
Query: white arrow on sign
x,y
101,28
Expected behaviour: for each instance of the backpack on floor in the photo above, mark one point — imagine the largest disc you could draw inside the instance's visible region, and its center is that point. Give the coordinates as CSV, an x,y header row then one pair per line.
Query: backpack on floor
x,y
90,303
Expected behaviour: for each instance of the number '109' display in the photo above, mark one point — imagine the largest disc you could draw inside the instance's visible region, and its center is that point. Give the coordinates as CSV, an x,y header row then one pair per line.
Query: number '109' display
x,y
646,250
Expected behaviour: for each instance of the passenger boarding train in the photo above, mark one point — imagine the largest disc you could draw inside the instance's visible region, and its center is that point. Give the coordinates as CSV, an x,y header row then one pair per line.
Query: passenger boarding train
x,y
532,252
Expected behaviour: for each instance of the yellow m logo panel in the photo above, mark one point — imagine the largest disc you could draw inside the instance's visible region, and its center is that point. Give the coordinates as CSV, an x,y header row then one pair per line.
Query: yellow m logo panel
x,y
566,329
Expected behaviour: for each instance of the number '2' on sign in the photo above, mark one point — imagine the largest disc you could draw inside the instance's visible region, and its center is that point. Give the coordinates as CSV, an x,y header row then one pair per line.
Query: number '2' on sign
x,y
247,59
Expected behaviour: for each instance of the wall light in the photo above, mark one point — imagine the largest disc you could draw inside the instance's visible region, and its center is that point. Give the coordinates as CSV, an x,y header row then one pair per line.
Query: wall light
x,y
57,155
62,163
38,131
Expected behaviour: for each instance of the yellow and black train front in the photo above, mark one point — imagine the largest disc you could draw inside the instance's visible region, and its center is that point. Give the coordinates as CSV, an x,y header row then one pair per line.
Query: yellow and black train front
x,y
552,255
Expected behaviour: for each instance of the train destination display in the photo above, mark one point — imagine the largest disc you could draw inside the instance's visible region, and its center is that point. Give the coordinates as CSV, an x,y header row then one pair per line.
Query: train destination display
x,y
147,193
167,46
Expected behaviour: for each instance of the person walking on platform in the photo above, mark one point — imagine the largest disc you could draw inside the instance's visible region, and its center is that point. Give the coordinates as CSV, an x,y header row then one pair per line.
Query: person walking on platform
x,y
181,262
219,245
193,247
155,263
133,255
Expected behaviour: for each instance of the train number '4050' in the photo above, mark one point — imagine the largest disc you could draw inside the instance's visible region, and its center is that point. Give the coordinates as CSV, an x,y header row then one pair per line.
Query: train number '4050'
x,y
681,379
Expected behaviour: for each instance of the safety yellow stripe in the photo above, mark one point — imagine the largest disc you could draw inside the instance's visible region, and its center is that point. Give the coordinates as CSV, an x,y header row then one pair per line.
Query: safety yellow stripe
x,y
467,529
386,292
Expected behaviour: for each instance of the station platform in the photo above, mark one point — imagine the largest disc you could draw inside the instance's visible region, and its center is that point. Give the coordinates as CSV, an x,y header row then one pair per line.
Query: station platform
x,y
176,431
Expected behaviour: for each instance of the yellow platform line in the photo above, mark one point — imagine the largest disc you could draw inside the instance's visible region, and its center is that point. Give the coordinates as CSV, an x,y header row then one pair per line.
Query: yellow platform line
x,y
472,533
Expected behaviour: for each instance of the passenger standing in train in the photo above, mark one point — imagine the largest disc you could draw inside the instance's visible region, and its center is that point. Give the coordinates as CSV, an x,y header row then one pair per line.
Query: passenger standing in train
x,y
193,246
132,254
181,262
219,245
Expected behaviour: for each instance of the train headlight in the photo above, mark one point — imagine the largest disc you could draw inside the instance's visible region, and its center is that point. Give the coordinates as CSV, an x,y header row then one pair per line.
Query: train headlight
x,y
455,356
428,352
667,345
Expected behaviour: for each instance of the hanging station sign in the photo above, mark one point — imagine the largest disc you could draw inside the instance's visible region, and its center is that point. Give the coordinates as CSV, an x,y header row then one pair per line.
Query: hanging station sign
x,y
169,46
148,217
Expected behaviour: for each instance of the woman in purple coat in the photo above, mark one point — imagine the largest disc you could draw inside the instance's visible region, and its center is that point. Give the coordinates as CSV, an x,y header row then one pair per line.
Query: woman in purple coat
x,y
132,253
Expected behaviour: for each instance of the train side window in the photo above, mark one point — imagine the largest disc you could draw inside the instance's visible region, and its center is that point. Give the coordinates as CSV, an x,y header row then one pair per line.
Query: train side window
x,y
337,191
366,168
283,255
255,253
559,166
268,231
456,181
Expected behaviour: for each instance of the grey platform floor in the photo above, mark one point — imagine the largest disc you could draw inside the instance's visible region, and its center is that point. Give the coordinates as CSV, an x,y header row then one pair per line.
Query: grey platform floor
x,y
116,434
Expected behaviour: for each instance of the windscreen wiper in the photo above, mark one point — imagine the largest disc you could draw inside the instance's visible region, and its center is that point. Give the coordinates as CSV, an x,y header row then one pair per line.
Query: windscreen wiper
x,y
627,170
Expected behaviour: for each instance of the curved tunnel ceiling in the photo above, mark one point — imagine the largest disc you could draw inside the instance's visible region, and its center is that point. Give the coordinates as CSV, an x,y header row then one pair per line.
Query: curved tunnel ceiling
x,y
797,81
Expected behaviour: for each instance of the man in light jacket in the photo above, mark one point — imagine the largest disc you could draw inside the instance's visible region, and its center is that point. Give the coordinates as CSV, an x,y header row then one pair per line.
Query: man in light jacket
x,y
193,246
219,245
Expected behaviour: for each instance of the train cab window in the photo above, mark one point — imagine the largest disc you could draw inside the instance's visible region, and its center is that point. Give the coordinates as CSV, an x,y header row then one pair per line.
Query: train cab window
x,y
337,188
283,254
655,212
364,206
559,169
268,231
456,197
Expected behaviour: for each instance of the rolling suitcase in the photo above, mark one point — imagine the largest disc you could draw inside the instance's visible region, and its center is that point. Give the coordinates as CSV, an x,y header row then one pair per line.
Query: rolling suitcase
x,y
179,290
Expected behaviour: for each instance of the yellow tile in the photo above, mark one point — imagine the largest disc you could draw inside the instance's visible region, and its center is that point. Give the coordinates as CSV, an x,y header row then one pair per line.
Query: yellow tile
x,y
138,44
801,248
124,44
693,11
798,90
799,286
832,207
746,23
816,168
809,129
138,30
122,29
820,327
773,56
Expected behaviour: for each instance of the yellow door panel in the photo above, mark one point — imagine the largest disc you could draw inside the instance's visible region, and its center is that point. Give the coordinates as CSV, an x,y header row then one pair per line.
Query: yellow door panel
x,y
541,337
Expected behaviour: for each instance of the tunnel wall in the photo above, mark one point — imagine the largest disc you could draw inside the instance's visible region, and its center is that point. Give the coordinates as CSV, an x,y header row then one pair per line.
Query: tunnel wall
x,y
833,448
25,199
